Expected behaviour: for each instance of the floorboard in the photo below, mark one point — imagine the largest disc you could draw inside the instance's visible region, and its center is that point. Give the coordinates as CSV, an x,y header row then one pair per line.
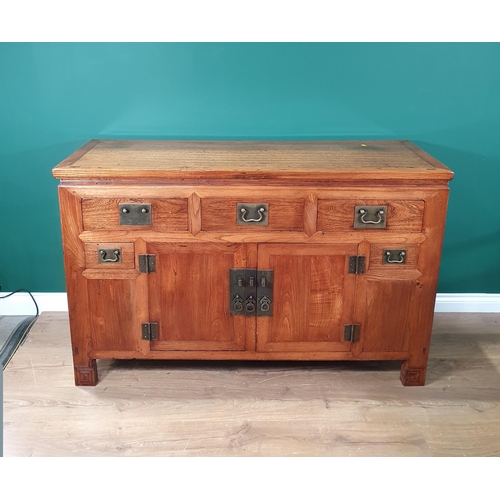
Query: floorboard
x,y
179,408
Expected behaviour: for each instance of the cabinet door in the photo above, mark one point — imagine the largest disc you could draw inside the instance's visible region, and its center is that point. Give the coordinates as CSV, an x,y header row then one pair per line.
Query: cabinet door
x,y
313,296
189,296
388,300
388,310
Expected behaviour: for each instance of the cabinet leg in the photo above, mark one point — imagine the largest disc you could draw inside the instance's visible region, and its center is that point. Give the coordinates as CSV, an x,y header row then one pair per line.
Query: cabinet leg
x,y
86,375
412,375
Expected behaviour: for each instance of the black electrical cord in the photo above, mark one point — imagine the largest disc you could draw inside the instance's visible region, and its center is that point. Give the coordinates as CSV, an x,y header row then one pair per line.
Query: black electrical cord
x,y
24,290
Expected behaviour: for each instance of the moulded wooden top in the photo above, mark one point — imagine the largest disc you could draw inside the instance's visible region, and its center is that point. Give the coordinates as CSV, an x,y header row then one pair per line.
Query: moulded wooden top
x,y
247,160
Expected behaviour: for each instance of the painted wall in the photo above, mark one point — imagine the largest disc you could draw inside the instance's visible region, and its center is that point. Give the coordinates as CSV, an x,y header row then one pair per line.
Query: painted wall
x,y
55,97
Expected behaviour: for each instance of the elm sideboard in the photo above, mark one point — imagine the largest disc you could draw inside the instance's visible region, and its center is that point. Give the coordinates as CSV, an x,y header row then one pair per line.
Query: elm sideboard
x,y
214,250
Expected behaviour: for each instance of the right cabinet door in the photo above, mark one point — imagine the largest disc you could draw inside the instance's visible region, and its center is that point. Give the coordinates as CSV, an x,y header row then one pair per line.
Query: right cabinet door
x,y
387,302
313,296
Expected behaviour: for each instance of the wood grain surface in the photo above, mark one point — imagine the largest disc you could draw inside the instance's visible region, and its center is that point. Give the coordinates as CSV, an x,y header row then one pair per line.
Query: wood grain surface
x,y
181,408
251,159
188,296
312,297
311,189
219,214
127,256
166,215
338,215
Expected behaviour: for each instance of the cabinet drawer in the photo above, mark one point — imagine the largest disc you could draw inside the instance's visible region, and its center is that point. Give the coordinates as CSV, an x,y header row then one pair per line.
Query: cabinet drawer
x,y
165,214
396,215
257,214
109,256
393,256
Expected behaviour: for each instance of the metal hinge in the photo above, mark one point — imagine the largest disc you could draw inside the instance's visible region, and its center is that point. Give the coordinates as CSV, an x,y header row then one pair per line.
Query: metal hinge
x,y
149,331
351,333
147,263
357,264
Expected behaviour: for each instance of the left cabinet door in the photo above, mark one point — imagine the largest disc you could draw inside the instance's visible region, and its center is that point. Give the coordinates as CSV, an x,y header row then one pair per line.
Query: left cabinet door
x,y
188,297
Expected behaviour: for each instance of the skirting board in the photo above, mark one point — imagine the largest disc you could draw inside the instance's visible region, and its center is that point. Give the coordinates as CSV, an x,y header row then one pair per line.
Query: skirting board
x,y
21,303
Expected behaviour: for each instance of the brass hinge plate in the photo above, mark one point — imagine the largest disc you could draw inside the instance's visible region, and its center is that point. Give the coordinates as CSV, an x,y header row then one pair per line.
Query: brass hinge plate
x,y
357,264
351,333
147,263
149,331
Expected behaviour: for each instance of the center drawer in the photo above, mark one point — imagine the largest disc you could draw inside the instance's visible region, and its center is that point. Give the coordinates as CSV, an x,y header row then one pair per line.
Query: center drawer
x,y
252,213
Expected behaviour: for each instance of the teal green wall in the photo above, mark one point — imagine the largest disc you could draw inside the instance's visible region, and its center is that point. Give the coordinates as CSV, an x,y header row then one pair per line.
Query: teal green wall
x,y
55,97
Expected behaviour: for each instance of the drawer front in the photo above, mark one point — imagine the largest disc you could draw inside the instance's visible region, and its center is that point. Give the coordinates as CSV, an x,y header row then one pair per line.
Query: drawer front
x,y
364,214
257,214
393,256
108,214
109,256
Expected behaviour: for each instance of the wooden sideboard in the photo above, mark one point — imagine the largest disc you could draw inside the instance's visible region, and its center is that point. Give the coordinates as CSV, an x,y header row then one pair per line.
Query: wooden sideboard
x,y
296,250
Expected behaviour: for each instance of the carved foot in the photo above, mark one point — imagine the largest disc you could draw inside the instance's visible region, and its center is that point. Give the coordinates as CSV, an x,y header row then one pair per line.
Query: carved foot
x,y
412,376
86,375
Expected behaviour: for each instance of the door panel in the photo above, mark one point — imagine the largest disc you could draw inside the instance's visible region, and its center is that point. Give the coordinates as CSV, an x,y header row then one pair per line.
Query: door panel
x,y
115,314
189,296
312,297
388,310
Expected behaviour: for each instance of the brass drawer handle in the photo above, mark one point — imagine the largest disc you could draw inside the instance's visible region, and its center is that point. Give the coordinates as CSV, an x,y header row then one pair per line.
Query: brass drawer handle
x,y
252,214
389,260
103,255
260,212
378,213
370,216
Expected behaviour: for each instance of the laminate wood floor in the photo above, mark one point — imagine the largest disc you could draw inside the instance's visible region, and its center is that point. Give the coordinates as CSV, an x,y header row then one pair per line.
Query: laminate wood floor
x,y
174,408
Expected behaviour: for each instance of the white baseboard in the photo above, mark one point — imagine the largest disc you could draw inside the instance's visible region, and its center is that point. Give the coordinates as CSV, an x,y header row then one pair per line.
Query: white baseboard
x,y
468,302
21,303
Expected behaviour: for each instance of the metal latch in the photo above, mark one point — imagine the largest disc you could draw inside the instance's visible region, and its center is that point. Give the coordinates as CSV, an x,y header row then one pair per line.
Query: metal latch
x,y
149,331
250,292
147,263
265,293
351,333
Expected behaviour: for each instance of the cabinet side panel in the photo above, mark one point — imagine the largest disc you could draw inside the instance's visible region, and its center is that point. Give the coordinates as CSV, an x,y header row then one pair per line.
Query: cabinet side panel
x,y
414,369
76,287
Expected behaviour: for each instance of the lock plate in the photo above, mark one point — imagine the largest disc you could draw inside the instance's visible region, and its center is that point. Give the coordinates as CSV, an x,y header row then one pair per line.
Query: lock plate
x,y
265,284
241,294
250,292
135,214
